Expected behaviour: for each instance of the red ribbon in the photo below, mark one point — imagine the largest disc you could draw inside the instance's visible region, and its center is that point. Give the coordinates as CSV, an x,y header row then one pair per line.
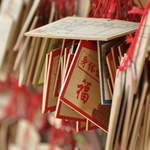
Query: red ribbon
x,y
115,9
136,10
130,53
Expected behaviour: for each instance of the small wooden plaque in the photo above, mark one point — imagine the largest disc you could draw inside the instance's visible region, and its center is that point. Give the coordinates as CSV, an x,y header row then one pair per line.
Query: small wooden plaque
x,y
85,29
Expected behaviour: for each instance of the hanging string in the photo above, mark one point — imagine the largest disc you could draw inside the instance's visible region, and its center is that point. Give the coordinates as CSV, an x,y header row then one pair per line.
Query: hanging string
x,y
116,9
140,3
97,9
130,53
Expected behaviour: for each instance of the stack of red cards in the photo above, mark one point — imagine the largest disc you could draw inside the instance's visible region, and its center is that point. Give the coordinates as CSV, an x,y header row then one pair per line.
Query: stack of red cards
x,y
79,76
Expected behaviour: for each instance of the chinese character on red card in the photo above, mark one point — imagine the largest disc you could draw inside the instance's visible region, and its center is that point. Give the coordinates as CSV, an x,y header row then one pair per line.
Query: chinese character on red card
x,y
62,110
80,90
